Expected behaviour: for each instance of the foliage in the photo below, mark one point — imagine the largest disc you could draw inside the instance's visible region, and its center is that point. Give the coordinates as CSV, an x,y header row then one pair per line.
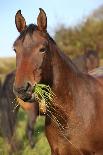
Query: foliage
x,y
43,93
86,35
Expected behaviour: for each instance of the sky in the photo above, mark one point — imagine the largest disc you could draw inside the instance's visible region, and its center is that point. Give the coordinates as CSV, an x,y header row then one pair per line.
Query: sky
x,y
67,12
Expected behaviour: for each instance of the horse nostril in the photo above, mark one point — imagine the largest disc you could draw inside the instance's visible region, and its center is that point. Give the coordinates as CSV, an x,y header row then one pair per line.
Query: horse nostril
x,y
24,92
28,87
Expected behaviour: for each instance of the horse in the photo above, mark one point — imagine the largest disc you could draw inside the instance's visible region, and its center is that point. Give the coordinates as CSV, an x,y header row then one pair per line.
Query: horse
x,y
8,117
74,119
9,114
88,61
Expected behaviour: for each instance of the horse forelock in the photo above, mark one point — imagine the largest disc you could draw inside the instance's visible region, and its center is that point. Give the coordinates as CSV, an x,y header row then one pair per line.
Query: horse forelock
x,y
29,30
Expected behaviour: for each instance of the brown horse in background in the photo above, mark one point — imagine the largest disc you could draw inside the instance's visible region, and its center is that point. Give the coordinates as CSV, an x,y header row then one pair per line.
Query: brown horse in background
x,y
88,61
74,120
8,113
8,117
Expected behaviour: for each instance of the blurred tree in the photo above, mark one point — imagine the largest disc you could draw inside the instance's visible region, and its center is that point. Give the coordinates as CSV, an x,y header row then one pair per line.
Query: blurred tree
x,y
76,40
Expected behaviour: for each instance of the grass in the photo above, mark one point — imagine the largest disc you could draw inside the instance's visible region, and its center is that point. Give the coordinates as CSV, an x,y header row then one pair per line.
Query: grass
x,y
44,95
43,92
7,64
41,144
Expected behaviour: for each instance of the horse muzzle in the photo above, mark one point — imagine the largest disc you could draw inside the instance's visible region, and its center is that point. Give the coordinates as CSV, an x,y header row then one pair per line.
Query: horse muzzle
x,y
25,92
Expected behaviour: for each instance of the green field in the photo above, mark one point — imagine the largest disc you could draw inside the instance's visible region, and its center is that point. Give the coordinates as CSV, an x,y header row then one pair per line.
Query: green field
x,y
41,144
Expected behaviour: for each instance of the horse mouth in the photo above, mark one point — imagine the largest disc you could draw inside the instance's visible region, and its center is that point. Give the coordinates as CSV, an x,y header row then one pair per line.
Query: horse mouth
x,y
30,98
25,95
25,105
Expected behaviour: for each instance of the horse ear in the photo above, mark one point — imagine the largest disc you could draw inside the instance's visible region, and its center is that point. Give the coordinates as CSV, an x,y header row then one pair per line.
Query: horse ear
x,y
20,21
42,20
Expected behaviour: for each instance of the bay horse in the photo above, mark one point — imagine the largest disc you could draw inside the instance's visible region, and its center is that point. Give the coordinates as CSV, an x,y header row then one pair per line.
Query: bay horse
x,y
88,61
8,118
9,113
74,120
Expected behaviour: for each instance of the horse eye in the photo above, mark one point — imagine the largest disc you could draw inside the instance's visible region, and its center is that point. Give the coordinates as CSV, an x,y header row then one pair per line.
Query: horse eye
x,y
43,50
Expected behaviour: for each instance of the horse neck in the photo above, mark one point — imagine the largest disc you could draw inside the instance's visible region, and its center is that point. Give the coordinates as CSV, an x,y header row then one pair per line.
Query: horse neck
x,y
65,80
64,71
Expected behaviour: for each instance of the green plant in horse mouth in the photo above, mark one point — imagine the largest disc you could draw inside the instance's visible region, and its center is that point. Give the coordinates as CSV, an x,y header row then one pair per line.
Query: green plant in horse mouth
x,y
44,95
